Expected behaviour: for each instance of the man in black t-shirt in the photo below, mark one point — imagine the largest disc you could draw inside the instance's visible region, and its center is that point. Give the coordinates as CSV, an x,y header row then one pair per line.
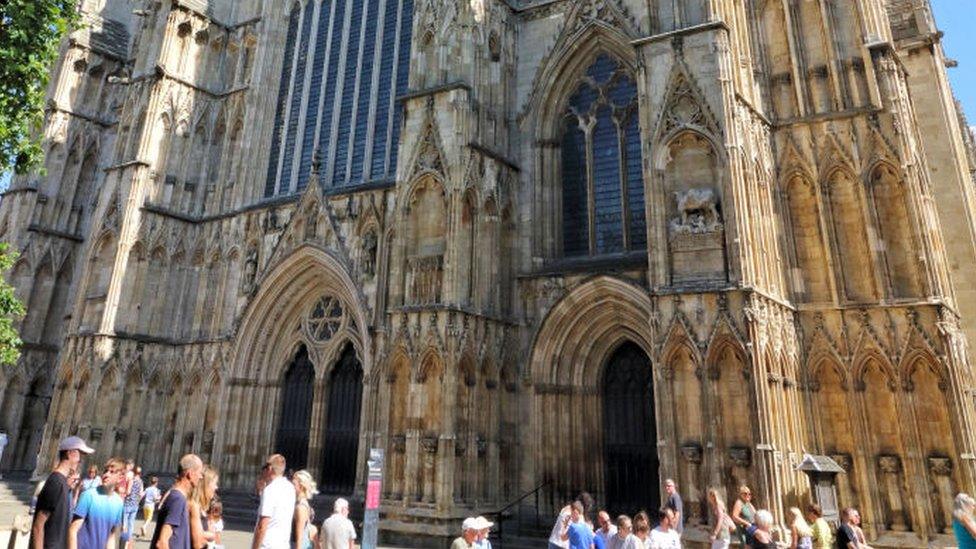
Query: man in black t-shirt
x,y
847,531
53,512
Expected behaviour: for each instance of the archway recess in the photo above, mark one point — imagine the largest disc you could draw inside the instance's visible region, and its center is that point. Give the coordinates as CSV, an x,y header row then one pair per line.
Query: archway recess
x,y
307,300
583,334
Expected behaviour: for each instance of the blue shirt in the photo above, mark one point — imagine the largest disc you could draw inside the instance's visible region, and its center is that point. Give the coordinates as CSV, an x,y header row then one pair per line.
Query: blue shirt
x,y
173,511
580,536
963,537
100,513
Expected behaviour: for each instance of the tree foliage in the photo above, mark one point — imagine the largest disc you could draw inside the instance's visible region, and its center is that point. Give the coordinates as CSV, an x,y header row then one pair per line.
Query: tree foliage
x,y
30,31
11,309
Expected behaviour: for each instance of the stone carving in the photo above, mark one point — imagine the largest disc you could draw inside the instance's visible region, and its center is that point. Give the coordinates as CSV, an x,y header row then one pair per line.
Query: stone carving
x,y
425,274
250,270
889,464
398,444
697,211
428,444
692,452
940,466
370,244
741,456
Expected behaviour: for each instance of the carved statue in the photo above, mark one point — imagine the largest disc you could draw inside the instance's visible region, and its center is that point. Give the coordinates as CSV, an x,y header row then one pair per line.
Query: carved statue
x,y
369,253
698,211
250,269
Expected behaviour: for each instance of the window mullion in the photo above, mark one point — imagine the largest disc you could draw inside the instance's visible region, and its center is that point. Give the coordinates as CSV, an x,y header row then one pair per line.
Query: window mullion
x,y
587,124
622,162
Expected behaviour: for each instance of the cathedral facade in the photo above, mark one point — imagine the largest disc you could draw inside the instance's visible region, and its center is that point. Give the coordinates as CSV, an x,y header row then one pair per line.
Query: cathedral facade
x,y
527,247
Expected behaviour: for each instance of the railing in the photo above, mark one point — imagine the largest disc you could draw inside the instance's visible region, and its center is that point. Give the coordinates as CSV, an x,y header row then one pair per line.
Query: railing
x,y
519,519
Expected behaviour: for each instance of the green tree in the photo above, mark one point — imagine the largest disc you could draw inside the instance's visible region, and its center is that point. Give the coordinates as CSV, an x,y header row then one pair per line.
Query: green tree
x,y
30,31
11,309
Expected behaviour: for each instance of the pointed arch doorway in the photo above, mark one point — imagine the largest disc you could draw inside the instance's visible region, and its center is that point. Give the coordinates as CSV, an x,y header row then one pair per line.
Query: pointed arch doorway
x,y
341,449
630,457
294,421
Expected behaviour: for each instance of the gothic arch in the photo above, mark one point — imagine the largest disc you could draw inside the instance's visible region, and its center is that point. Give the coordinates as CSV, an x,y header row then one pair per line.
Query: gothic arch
x,y
584,328
848,228
800,199
557,79
894,219
285,291
865,359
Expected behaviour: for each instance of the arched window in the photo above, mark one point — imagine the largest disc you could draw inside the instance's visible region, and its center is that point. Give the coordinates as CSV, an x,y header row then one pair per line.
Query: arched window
x,y
602,187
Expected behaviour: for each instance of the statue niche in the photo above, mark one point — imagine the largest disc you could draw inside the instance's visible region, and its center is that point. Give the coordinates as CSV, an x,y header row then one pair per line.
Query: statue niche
x,y
696,231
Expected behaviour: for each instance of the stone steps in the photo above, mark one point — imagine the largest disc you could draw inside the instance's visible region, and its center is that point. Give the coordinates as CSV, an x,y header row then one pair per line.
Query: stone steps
x,y
16,491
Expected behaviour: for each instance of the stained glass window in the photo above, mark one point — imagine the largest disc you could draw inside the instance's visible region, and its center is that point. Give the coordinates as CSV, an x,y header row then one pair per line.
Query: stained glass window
x,y
603,204
298,89
314,95
355,56
285,79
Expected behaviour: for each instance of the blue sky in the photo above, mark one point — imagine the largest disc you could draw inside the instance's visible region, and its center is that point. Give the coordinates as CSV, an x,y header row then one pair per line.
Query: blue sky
x,y
955,18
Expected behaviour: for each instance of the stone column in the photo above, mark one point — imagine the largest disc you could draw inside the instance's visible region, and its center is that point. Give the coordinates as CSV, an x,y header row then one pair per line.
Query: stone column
x,y
428,457
462,491
844,481
412,466
695,508
890,470
444,487
395,475
940,469
484,483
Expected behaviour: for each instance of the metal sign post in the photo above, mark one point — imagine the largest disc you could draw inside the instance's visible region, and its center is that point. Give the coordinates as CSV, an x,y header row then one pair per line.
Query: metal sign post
x,y
374,487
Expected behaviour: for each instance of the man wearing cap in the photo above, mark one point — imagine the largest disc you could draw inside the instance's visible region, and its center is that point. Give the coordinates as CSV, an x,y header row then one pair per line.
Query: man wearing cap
x,y
53,513
469,534
484,526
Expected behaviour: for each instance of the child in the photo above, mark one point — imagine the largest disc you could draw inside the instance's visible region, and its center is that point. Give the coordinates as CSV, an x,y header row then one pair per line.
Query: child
x,y
216,522
149,500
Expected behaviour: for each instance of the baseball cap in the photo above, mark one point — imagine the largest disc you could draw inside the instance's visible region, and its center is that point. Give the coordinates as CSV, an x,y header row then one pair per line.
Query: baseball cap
x,y
481,523
75,443
469,523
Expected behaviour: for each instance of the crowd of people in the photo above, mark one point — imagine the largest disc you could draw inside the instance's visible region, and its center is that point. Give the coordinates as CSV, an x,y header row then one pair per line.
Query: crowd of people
x,y
99,511
745,524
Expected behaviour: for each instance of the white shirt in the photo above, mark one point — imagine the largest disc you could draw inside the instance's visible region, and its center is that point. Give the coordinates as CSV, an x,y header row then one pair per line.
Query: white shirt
x,y
659,539
606,536
556,537
278,504
630,542
337,531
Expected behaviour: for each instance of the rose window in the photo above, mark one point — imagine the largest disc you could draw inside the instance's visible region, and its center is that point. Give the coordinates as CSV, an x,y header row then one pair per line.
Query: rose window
x,y
325,319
